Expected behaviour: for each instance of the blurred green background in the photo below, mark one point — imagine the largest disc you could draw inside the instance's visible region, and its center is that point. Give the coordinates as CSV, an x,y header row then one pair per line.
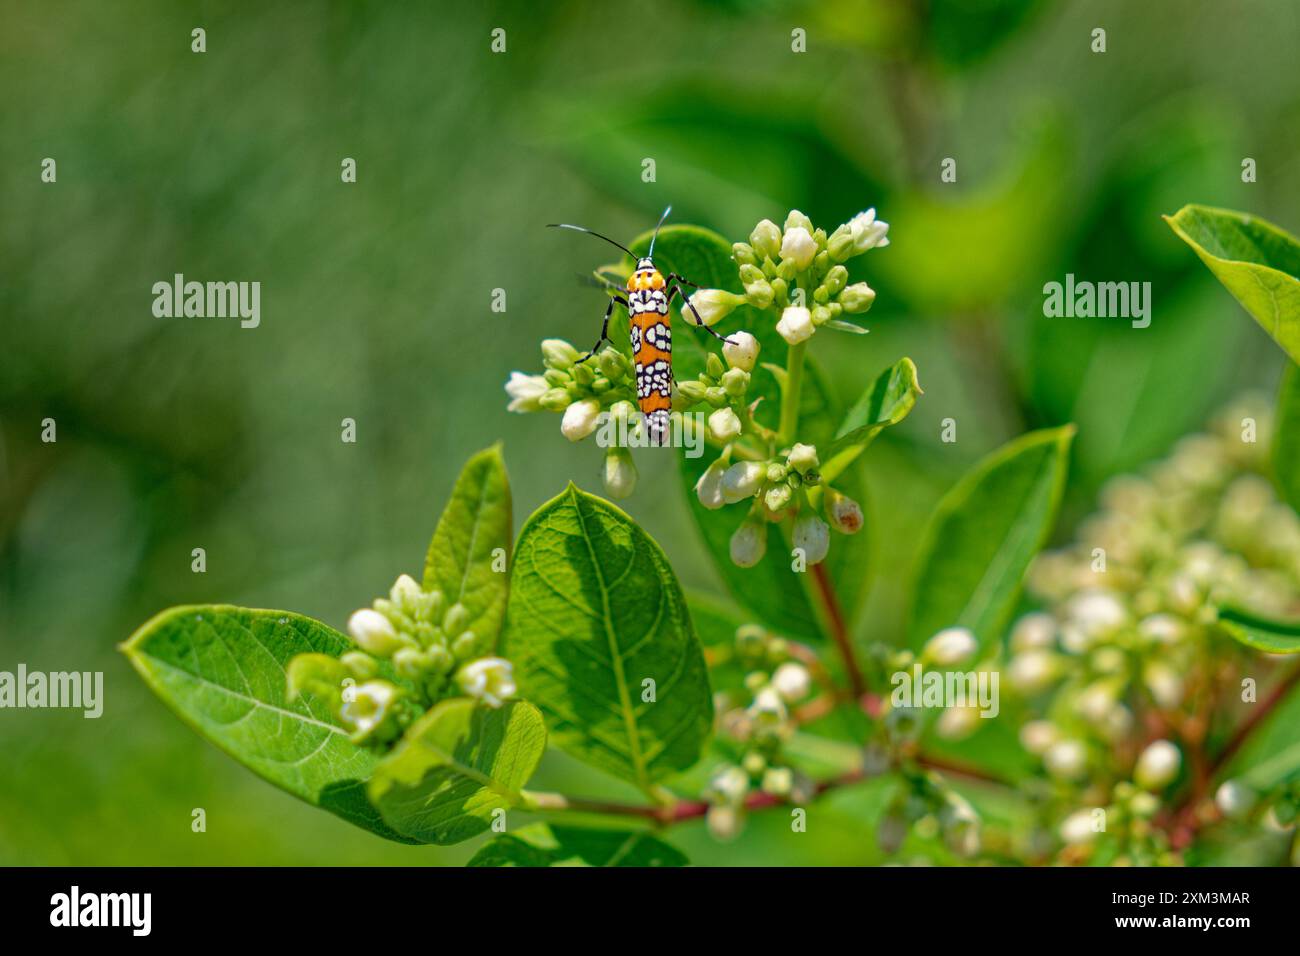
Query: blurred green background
x,y
177,434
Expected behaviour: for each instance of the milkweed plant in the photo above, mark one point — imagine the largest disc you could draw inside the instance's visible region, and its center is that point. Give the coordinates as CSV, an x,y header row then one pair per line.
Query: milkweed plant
x,y
1123,699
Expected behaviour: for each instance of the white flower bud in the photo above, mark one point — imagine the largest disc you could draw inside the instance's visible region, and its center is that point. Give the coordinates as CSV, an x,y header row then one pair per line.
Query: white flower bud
x,y
1078,829
950,647
766,240
730,784
769,705
489,679
1234,799
1066,760
857,298
778,781
957,723
1095,701
374,633
580,419
709,488
1097,611
742,480
724,425
1033,630
559,354
1164,683
868,232
748,544
366,705
796,324
812,535
1157,766
524,391
792,681
797,220
1037,735
803,458
711,305
740,350
1162,628
1032,671
405,593
844,514
798,246
620,473
778,496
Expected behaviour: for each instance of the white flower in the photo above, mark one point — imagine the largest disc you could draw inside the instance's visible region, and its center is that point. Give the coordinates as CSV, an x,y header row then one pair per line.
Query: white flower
x,y
374,633
740,350
1078,828
490,679
857,297
709,488
1162,628
1066,759
620,473
730,784
1164,683
558,354
723,823
1097,611
795,325
792,681
803,458
950,647
366,705
748,544
405,593
1094,703
742,480
712,305
799,247
1037,735
868,232
524,391
956,723
1033,630
766,239
1234,799
724,425
1157,766
1032,671
580,419
812,535
768,706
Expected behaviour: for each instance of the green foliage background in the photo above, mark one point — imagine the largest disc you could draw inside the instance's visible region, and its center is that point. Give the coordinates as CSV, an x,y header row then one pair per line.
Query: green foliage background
x,y
179,434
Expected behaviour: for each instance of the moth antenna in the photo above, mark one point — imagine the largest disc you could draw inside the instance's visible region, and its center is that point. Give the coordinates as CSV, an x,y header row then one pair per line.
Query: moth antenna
x,y
651,253
590,232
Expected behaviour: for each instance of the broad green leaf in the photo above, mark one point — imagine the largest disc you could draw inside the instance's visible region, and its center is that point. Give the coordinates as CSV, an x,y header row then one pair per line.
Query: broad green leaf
x,y
983,535
1256,261
1260,632
596,613
223,671
475,523
885,402
455,767
542,844
1286,437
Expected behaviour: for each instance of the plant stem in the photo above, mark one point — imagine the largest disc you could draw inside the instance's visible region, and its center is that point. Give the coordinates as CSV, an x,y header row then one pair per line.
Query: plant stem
x,y
790,395
1266,707
839,630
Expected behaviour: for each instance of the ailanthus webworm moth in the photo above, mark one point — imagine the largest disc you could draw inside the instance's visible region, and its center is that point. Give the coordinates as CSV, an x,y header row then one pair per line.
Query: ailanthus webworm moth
x,y
648,295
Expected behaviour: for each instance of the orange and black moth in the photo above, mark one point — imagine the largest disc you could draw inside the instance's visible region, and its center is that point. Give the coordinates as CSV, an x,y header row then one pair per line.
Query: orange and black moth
x,y
646,298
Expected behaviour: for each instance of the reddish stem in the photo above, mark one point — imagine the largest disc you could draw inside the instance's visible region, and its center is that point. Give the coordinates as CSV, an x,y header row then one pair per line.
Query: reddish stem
x,y
839,630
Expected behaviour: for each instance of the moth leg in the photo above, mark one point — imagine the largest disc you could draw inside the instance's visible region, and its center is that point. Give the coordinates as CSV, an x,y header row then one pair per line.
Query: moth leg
x,y
604,328
673,289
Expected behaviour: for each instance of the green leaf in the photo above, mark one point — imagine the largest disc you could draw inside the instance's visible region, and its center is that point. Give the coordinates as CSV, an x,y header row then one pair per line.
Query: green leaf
x,y
1256,261
475,523
223,671
983,535
1262,633
1286,440
886,402
455,767
542,844
595,611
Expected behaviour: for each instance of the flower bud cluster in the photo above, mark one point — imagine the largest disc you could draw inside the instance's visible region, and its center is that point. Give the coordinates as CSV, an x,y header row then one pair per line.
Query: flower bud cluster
x,y
579,390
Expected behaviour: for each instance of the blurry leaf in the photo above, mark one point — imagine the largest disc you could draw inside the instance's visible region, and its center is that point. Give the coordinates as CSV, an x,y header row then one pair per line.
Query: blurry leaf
x,y
1286,440
960,33
595,613
542,844
455,767
223,671
1262,633
1281,767
1256,261
885,402
983,535
715,621
474,524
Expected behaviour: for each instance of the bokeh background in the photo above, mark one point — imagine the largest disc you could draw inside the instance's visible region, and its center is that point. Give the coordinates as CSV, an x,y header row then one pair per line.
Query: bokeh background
x,y
176,434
